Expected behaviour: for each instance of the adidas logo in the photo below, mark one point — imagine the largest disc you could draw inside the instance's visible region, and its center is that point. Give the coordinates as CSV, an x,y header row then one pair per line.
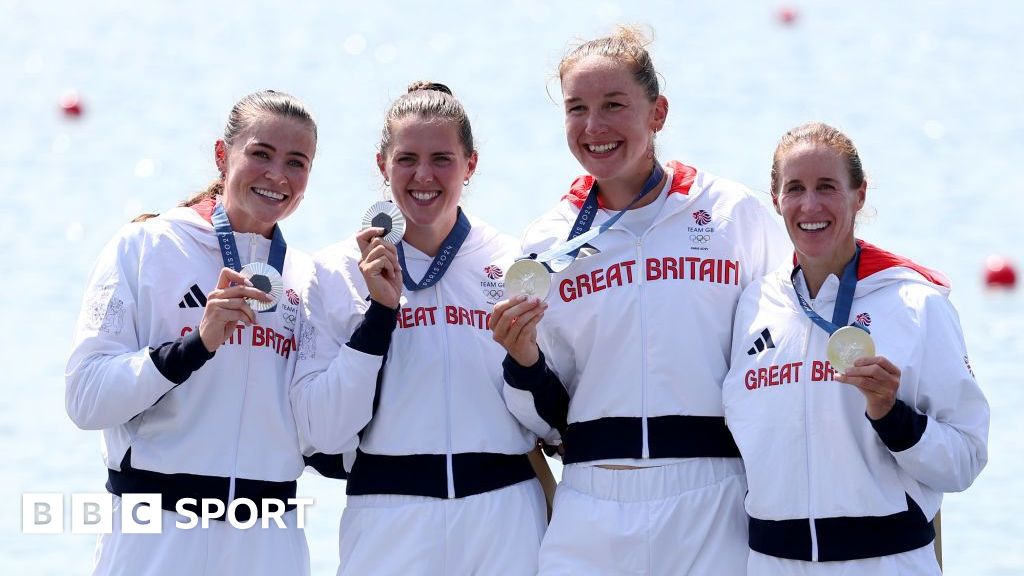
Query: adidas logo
x,y
194,298
765,341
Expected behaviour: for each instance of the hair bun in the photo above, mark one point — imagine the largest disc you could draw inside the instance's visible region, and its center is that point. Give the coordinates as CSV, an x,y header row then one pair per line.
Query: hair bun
x,y
427,85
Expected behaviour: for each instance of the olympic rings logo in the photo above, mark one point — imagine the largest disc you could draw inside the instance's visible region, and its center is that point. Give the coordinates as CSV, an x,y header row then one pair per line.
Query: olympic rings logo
x,y
494,293
289,318
700,238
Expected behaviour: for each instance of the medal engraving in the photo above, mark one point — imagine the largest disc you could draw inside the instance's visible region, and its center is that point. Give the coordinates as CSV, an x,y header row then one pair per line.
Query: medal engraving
x,y
527,277
386,215
848,344
267,280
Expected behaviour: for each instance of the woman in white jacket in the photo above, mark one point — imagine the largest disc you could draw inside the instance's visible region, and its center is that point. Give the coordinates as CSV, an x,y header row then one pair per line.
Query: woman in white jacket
x,y
625,369
184,365
404,376
846,464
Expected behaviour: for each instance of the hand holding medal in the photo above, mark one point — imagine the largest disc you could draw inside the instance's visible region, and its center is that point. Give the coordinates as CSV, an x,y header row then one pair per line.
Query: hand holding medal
x,y
878,379
527,277
384,226
228,305
266,279
386,215
514,325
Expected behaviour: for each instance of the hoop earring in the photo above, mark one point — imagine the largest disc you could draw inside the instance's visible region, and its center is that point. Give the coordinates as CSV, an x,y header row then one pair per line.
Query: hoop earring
x,y
387,183
465,182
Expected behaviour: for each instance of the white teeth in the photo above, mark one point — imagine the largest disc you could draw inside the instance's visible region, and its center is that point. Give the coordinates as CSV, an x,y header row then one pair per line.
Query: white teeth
x,y
811,226
424,195
268,193
602,148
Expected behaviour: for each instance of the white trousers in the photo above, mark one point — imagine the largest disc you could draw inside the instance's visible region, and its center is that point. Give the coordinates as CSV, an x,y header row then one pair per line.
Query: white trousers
x,y
218,550
920,562
496,532
677,519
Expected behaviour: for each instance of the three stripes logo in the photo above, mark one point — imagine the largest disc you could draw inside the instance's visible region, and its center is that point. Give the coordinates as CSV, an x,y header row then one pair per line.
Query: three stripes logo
x,y
194,298
762,343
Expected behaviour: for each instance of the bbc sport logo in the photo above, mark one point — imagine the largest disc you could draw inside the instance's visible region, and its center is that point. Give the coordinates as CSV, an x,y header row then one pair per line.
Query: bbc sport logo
x,y
93,513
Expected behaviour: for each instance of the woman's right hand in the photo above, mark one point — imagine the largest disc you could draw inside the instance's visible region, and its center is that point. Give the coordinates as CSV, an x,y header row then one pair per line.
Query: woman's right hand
x,y
380,268
226,307
514,326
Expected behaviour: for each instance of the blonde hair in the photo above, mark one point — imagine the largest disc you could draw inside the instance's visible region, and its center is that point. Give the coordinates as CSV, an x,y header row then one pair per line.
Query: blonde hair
x,y
628,45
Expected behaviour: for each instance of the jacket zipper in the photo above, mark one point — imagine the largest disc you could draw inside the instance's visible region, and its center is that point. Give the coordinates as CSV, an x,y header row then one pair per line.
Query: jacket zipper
x,y
447,393
245,388
807,435
645,452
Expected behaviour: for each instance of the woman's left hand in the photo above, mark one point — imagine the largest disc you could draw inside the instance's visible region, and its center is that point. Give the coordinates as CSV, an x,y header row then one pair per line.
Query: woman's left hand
x,y
878,379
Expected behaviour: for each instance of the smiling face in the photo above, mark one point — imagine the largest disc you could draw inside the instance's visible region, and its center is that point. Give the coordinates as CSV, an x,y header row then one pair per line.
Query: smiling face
x,y
265,170
818,205
426,163
609,119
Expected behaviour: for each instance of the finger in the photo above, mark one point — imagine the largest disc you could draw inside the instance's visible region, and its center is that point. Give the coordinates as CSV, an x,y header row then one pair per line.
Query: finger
x,y
228,320
379,251
392,256
504,324
527,305
501,308
504,305
366,236
239,292
880,361
234,304
228,277
525,327
869,387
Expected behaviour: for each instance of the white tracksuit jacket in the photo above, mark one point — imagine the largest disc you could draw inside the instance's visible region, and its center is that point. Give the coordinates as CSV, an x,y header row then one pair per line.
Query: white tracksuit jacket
x,y
636,338
177,420
825,482
230,418
440,422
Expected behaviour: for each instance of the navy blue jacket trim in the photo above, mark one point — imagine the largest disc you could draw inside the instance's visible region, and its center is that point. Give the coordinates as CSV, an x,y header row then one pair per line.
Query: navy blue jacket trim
x,y
667,437
327,465
174,487
427,474
373,335
178,359
843,538
901,428
550,398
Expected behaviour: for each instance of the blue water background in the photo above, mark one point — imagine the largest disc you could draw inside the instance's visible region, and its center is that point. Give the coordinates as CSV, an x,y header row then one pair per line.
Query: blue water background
x,y
931,92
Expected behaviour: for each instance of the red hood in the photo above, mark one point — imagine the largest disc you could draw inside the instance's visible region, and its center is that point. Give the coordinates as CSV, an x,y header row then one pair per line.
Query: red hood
x,y
682,179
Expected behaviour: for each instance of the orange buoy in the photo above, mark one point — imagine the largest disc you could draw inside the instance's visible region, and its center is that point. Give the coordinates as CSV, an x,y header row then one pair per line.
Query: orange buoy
x,y
787,15
999,272
71,105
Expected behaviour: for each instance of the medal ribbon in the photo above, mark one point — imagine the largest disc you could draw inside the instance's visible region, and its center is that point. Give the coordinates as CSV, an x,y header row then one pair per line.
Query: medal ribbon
x,y
581,232
229,251
445,256
844,298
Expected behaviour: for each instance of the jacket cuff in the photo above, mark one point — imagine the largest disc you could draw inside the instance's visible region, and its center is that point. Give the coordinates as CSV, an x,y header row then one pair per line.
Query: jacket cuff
x,y
901,428
178,359
373,335
528,378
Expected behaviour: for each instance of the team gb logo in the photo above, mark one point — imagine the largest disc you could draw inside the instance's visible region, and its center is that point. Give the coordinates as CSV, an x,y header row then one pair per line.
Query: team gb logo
x,y
701,218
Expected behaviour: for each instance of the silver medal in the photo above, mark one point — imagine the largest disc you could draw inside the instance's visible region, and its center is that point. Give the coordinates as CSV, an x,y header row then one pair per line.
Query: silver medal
x,y
386,215
848,344
268,280
527,277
